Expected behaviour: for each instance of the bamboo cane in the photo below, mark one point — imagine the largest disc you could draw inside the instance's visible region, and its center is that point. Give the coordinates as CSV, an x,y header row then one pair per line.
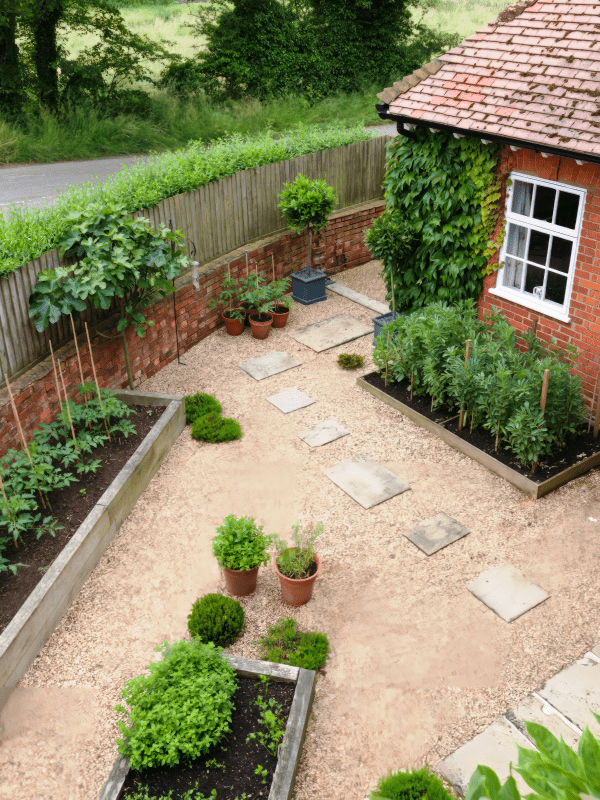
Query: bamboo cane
x,y
87,333
247,267
412,377
592,405
273,265
544,395
461,416
55,377
77,351
62,380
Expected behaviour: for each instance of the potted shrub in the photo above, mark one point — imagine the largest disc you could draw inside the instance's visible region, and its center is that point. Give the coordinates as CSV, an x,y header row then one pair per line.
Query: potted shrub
x,y
259,298
307,204
280,302
240,547
228,299
298,566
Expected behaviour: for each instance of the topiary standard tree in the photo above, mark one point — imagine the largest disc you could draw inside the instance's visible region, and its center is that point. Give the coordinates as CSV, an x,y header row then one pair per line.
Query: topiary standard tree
x,y
307,203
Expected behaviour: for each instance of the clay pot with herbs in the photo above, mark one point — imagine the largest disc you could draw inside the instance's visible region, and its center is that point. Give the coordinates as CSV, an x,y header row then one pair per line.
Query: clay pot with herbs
x,y
240,547
298,566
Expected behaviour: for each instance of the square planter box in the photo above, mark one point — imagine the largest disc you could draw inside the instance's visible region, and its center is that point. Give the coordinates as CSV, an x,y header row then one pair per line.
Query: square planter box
x,y
384,319
308,286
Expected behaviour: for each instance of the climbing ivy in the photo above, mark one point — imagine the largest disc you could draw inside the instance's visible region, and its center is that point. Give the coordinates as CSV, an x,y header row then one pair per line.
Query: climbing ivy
x,y
445,192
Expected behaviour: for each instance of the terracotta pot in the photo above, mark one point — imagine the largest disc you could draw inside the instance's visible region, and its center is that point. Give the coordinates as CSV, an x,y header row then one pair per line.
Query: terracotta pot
x,y
280,316
248,309
234,327
297,591
260,329
240,582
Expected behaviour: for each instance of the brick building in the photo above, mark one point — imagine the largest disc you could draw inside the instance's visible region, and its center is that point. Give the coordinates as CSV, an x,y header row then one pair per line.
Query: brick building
x,y
530,81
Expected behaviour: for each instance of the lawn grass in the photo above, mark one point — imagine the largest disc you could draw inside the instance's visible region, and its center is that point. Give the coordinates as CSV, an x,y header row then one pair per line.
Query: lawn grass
x,y
464,16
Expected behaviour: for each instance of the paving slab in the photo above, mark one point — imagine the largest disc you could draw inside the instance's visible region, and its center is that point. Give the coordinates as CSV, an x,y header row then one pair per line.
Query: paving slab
x,y
323,433
357,297
433,534
596,651
507,592
271,364
331,332
366,482
290,400
536,709
574,691
495,747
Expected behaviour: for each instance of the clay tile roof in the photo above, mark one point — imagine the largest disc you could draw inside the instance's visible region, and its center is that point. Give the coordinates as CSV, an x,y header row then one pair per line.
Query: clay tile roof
x,y
533,74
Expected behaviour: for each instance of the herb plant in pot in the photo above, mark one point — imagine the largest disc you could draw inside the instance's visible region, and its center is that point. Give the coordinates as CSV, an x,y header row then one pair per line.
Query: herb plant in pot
x,y
228,300
280,302
297,566
240,547
260,318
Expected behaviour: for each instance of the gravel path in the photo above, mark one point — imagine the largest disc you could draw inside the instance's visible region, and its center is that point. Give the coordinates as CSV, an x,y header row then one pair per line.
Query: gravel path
x,y
418,665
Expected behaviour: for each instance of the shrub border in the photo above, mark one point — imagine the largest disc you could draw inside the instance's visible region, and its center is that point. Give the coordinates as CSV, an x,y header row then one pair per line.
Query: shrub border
x,y
533,489
282,785
27,633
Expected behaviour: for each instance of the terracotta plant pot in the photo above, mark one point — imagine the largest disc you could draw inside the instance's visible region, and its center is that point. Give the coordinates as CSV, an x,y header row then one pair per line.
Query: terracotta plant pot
x,y
240,582
280,316
234,327
248,309
297,591
260,327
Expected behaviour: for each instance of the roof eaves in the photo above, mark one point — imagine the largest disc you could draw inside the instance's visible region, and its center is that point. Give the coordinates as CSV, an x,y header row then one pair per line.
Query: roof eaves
x,y
400,87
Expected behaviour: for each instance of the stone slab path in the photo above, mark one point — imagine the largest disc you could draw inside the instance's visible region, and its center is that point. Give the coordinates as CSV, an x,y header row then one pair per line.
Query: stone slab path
x,y
506,591
323,433
433,534
270,364
330,332
290,400
366,482
357,297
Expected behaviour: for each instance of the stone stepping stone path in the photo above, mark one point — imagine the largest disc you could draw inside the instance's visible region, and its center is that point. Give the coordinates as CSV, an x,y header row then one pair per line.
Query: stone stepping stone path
x,y
323,433
574,691
290,400
271,364
433,534
366,482
331,332
357,297
507,592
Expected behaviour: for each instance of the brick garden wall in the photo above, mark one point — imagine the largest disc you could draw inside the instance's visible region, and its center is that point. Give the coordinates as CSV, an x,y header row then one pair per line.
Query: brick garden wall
x,y
584,329
340,246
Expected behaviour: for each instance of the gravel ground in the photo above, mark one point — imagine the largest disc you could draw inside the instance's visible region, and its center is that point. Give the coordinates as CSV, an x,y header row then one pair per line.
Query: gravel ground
x,y
417,667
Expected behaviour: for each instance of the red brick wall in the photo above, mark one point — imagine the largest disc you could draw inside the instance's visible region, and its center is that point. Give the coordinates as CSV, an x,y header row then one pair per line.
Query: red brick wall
x,y
584,329
340,246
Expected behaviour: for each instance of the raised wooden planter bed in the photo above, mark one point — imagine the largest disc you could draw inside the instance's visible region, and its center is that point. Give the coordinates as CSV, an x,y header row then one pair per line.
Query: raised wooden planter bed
x,y
30,629
530,487
282,785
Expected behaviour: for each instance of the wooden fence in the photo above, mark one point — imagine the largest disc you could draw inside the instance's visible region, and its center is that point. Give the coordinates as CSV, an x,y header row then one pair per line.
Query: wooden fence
x,y
217,217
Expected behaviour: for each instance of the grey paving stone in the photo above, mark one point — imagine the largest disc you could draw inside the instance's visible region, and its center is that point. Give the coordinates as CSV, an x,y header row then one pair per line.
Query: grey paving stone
x,y
366,482
433,534
290,400
534,709
506,591
596,651
495,747
271,364
330,332
574,691
357,297
323,433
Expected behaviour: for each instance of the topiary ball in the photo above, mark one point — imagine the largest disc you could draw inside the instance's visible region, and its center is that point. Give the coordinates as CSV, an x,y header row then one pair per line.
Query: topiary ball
x,y
215,428
198,404
216,618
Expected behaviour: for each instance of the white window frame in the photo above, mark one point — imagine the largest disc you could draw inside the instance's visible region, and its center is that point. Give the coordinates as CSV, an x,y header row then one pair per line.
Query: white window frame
x,y
547,307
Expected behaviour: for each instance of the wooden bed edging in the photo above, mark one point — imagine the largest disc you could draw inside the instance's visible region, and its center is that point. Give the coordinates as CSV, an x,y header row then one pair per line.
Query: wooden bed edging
x,y
27,633
290,751
533,489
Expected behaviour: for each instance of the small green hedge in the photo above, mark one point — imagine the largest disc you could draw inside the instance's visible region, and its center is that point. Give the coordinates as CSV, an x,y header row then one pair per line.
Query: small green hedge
x,y
415,785
217,619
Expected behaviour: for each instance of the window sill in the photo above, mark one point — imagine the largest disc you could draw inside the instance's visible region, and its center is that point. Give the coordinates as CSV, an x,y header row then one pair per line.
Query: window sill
x,y
520,300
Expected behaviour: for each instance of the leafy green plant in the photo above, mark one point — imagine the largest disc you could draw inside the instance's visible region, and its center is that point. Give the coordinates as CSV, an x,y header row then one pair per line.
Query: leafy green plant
x,y
215,428
181,709
212,763
390,240
240,543
307,204
262,773
295,561
232,293
285,644
198,404
215,618
350,361
414,785
270,718
143,793
278,293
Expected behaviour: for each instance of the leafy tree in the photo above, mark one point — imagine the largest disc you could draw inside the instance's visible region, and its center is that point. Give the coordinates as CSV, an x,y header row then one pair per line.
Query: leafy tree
x,y
45,19
307,204
11,81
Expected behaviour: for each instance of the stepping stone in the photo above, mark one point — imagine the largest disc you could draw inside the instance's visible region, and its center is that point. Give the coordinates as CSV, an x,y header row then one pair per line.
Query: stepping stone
x,y
495,747
323,433
290,400
574,691
433,534
357,297
505,590
331,332
366,482
534,709
271,364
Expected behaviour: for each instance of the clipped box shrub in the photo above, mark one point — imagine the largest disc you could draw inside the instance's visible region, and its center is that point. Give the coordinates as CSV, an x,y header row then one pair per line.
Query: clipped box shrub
x,y
215,428
198,404
217,619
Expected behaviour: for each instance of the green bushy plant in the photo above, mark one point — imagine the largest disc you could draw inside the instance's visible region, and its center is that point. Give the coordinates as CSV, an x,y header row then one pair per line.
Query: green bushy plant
x,y
180,710
270,718
414,785
295,560
285,644
198,404
215,428
240,543
307,204
350,361
217,619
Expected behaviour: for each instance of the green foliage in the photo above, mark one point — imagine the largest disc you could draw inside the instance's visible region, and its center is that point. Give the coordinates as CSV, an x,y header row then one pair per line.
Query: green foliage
x,y
414,785
554,771
180,710
442,199
500,385
192,794
278,293
217,619
26,233
306,203
198,404
241,544
270,718
215,428
350,361
285,644
295,561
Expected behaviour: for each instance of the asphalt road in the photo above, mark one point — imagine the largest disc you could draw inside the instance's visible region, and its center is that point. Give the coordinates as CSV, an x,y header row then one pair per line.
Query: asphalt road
x,y
37,184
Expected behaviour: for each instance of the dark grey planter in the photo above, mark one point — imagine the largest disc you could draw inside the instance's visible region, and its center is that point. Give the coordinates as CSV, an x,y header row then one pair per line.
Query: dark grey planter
x,y
384,319
308,286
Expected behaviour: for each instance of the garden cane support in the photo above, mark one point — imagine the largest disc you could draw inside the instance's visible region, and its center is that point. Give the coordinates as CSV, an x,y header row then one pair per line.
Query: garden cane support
x,y
461,417
79,360
543,398
87,333
58,395
62,380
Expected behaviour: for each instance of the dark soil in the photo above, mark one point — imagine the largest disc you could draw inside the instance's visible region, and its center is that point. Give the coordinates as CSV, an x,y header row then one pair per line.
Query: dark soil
x,y
70,506
578,448
240,758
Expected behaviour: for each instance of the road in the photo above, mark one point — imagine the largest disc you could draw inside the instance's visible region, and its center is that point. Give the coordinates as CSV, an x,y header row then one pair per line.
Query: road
x,y
37,184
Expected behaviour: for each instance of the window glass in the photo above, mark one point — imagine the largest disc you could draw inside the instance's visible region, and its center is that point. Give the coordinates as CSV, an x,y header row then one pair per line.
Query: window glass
x,y
516,240
566,210
522,194
560,255
538,247
513,273
556,287
544,203
534,281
